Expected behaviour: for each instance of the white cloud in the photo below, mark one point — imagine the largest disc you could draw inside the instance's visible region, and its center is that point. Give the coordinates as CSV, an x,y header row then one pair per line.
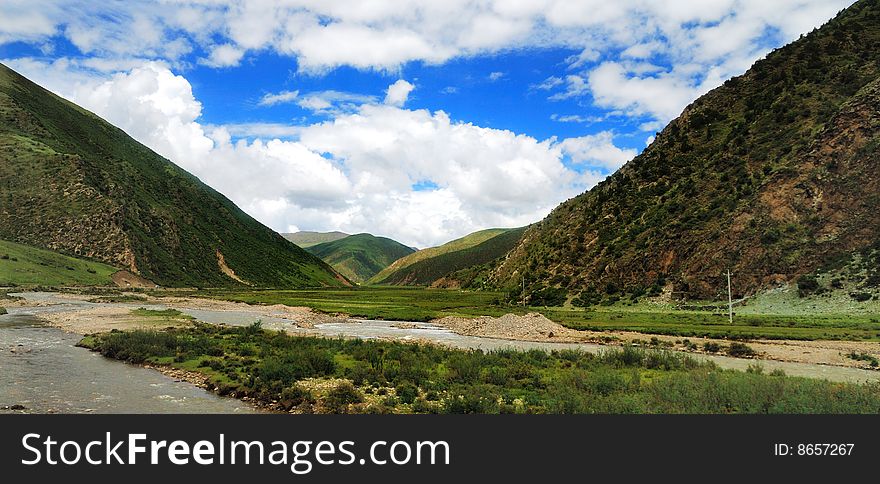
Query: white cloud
x,y
597,151
572,118
661,96
384,35
549,83
354,172
279,98
398,93
226,55
333,102
574,86
495,76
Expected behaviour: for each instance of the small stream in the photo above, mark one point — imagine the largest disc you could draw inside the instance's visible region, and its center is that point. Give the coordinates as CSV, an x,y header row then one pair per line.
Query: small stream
x,y
41,368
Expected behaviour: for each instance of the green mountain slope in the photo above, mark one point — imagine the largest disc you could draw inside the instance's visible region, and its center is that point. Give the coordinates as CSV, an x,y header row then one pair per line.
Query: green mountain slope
x,y
438,266
772,175
306,239
75,184
359,257
25,265
469,240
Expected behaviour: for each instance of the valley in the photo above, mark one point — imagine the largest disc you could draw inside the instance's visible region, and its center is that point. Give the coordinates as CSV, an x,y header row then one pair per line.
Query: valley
x,y
731,266
156,314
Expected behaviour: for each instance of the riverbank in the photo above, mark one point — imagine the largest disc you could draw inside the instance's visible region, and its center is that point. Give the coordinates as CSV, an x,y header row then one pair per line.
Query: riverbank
x,y
75,313
301,374
44,372
536,327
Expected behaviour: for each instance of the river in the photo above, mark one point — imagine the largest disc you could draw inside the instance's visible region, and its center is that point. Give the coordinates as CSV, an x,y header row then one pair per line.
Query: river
x,y
41,369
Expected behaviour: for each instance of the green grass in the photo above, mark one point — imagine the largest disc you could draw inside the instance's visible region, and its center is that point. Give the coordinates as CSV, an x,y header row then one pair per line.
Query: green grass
x,y
421,304
22,265
425,255
448,264
394,303
360,257
277,369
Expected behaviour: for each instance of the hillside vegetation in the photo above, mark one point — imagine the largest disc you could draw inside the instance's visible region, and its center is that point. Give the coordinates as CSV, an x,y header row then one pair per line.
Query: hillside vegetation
x,y
72,183
432,266
24,265
360,257
772,175
306,239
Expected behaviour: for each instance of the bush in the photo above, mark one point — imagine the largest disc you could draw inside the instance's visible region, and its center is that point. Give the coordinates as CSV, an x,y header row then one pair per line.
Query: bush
x,y
860,296
807,284
711,347
407,392
340,397
740,350
294,396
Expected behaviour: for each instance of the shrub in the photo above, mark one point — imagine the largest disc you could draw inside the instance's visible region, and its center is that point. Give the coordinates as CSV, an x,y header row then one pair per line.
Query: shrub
x,y
340,397
740,350
407,392
294,396
807,284
860,296
711,347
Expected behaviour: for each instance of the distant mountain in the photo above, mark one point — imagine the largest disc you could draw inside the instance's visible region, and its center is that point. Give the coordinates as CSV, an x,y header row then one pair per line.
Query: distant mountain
x,y
439,265
359,257
307,239
73,183
774,175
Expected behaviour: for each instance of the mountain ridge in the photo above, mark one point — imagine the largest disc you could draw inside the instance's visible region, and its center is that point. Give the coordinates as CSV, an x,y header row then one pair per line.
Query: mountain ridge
x,y
772,175
77,185
361,256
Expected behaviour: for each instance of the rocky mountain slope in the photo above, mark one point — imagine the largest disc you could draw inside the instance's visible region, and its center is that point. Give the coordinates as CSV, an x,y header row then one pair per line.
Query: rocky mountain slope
x,y
774,175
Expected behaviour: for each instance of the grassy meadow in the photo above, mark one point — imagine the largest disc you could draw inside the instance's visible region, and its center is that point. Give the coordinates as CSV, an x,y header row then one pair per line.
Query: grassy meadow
x,y
773,316
24,265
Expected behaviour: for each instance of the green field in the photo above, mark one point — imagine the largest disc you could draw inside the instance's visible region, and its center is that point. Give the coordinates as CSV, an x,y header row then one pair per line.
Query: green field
x,y
401,304
25,265
280,371
792,318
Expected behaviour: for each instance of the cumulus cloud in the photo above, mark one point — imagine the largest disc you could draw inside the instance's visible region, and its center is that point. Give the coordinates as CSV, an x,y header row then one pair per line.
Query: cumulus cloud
x,y
398,93
597,150
226,55
354,172
384,35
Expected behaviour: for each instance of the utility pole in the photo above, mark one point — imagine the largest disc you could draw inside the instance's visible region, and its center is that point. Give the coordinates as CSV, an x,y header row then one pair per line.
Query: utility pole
x,y
729,297
524,290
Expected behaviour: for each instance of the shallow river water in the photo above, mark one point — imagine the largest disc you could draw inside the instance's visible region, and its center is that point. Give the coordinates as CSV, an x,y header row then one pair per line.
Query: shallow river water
x,y
41,369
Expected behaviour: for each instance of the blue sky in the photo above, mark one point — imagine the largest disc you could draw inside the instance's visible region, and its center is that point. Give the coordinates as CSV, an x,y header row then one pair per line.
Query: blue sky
x,y
415,119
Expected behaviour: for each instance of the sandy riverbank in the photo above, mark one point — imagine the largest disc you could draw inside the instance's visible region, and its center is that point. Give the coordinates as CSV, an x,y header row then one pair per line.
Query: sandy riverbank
x,y
109,316
536,327
531,327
